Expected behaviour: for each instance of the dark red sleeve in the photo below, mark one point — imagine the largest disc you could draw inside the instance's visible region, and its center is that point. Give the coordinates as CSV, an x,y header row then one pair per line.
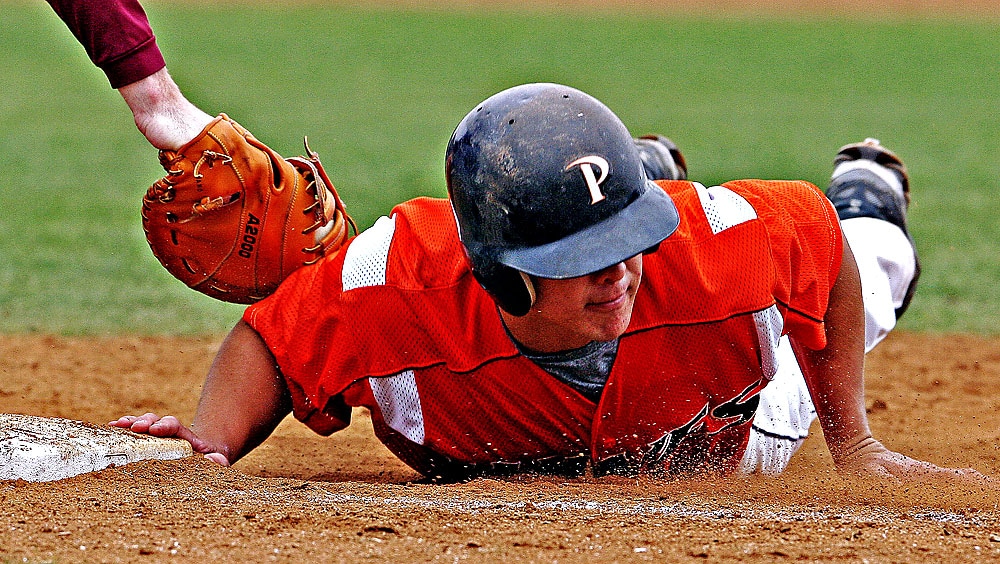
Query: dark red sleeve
x,y
116,35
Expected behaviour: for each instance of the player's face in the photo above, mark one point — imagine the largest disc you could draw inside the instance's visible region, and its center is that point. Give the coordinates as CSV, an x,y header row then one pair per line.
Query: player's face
x,y
568,314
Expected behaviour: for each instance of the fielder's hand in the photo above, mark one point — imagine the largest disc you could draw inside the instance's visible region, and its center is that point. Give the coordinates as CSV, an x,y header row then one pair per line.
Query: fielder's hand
x,y
169,426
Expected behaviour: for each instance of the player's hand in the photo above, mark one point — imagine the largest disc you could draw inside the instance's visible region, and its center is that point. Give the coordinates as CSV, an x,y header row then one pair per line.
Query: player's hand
x,y
870,459
169,426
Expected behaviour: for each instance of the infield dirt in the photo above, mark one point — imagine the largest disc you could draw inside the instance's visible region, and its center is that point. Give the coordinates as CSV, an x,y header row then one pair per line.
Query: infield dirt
x,y
304,498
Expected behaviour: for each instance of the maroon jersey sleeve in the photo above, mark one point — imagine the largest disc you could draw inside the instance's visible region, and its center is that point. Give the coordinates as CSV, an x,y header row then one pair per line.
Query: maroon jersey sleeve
x,y
116,35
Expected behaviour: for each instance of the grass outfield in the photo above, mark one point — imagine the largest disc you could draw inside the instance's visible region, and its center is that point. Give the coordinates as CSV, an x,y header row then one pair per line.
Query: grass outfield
x,y
379,92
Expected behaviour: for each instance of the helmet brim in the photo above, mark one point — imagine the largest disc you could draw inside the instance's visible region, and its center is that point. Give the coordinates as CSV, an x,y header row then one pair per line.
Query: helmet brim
x,y
639,226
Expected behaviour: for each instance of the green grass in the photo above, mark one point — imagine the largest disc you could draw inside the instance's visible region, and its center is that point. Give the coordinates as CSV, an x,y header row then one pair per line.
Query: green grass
x,y
379,92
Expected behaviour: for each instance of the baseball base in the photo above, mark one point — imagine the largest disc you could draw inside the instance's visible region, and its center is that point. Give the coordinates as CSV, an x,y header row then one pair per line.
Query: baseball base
x,y
43,449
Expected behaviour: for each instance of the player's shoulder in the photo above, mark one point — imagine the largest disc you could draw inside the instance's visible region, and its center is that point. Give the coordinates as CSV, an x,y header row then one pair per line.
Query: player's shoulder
x,y
426,209
797,197
775,188
736,201
415,247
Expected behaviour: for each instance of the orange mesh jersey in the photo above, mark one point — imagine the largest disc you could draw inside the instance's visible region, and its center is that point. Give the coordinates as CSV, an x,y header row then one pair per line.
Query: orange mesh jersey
x,y
396,323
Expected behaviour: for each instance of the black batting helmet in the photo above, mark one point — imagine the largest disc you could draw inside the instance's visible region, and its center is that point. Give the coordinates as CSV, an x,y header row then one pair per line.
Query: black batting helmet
x,y
545,180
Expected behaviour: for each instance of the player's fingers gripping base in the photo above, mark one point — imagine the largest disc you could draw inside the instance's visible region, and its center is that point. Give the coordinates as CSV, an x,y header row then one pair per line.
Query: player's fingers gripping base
x,y
170,426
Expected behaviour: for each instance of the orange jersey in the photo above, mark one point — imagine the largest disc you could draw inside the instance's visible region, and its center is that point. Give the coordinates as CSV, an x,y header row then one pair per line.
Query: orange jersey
x,y
397,323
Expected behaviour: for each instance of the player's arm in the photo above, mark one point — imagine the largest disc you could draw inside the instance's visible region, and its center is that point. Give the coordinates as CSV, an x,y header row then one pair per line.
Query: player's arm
x,y
243,400
163,115
835,377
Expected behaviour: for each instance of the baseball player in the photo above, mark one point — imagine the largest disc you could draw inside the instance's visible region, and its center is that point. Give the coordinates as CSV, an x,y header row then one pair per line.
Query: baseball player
x,y
560,310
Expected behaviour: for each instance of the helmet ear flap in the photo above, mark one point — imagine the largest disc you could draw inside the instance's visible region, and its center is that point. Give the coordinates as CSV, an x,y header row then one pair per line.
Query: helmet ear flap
x,y
511,289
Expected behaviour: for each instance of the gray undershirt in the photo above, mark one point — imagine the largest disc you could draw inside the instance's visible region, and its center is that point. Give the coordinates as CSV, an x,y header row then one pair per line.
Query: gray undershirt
x,y
585,369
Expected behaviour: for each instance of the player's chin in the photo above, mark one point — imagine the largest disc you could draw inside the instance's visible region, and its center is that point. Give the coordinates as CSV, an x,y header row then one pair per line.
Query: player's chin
x,y
609,325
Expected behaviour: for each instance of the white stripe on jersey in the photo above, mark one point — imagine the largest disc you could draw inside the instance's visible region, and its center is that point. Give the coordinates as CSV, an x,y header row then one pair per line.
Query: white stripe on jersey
x,y
399,402
723,207
769,325
366,258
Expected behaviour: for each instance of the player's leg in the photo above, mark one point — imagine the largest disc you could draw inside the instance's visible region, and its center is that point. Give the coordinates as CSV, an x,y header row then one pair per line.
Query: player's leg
x,y
870,190
661,159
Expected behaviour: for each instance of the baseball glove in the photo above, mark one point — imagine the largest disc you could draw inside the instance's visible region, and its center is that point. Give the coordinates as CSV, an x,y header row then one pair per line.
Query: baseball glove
x,y
232,218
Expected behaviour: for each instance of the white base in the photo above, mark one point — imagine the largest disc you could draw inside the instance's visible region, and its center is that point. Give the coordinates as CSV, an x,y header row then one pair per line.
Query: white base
x,y
43,449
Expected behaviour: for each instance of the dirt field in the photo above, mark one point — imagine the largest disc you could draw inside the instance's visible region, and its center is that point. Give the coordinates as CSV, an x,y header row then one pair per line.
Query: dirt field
x,y
304,498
